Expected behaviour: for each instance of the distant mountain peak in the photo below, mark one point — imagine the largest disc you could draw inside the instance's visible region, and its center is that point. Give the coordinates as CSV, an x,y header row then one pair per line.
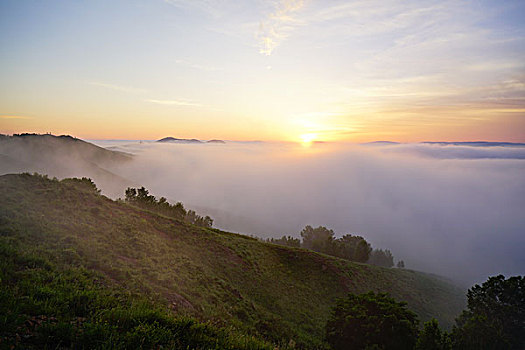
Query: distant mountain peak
x,y
176,140
476,143
170,139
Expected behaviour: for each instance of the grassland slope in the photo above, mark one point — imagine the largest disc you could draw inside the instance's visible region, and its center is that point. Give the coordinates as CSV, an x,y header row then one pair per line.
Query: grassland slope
x,y
231,280
63,156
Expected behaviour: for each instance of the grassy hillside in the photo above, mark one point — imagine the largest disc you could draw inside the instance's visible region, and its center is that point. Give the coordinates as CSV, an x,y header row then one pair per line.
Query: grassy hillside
x,y
48,301
63,156
38,146
230,280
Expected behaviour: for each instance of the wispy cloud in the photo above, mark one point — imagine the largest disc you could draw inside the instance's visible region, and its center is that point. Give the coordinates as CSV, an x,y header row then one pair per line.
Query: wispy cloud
x,y
179,102
496,66
202,67
14,117
127,89
277,26
131,90
209,7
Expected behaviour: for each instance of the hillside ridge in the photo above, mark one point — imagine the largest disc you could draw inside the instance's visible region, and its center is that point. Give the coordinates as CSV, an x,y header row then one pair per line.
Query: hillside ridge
x,y
230,279
64,156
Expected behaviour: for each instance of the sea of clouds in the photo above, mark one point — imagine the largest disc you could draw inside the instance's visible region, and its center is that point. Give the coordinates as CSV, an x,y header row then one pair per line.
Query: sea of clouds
x,y
454,210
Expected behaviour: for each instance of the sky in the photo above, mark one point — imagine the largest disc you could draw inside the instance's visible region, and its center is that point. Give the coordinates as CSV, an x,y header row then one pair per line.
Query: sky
x,y
287,70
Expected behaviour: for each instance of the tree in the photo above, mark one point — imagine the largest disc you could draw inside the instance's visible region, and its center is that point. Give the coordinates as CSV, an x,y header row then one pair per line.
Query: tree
x,y
362,250
141,198
144,197
353,248
431,337
371,321
495,316
380,257
288,241
400,264
84,182
131,194
206,221
194,218
318,239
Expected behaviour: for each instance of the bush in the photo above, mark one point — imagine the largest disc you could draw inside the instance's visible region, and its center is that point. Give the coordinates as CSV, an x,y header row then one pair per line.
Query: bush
x,y
141,198
371,321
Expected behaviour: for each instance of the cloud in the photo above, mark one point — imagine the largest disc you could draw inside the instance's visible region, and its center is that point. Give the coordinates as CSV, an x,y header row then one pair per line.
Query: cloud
x,y
174,102
496,65
126,89
210,7
386,41
277,26
197,66
177,102
458,151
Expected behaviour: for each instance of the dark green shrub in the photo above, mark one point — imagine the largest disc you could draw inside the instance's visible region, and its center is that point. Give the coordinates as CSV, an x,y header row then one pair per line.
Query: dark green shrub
x,y
371,321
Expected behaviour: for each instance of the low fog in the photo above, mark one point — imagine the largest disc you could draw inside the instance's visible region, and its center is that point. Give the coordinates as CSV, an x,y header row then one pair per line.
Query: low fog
x,y
452,210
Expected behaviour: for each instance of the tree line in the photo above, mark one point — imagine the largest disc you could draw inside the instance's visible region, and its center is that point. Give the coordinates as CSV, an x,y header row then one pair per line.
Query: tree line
x,y
140,197
349,247
494,319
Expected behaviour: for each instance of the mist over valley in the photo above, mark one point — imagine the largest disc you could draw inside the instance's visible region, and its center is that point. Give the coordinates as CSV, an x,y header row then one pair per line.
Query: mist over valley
x,y
454,210
458,216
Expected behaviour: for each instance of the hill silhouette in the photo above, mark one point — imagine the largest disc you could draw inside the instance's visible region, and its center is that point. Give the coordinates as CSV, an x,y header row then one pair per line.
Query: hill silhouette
x,y
194,141
63,156
176,140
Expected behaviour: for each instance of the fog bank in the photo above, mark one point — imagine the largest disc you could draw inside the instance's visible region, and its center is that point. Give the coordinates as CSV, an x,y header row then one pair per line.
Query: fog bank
x,y
459,216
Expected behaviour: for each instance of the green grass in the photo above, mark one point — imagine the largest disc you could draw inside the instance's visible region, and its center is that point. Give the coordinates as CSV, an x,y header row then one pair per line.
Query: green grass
x,y
227,280
45,304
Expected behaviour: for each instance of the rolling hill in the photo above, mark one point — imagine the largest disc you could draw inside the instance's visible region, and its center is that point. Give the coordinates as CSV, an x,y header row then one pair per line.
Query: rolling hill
x,y
277,293
170,139
63,156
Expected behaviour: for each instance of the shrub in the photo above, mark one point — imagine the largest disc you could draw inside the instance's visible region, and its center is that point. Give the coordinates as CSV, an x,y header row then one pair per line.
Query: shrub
x,y
371,320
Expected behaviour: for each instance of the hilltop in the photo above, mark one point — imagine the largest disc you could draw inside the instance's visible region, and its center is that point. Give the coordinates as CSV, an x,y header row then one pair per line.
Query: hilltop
x,y
63,156
177,140
232,280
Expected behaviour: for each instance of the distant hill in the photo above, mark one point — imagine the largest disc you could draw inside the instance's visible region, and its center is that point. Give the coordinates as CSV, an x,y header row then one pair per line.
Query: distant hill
x,y
477,144
466,143
175,140
63,156
215,141
231,280
194,141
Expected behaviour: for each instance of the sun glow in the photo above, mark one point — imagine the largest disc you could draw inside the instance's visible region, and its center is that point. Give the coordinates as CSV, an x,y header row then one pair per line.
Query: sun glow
x,y
307,139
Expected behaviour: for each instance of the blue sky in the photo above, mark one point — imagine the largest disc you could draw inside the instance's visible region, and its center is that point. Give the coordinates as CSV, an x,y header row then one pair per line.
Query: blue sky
x,y
276,70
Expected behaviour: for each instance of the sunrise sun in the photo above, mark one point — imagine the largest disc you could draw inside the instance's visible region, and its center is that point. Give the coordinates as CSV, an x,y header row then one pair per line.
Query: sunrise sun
x,y
307,139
